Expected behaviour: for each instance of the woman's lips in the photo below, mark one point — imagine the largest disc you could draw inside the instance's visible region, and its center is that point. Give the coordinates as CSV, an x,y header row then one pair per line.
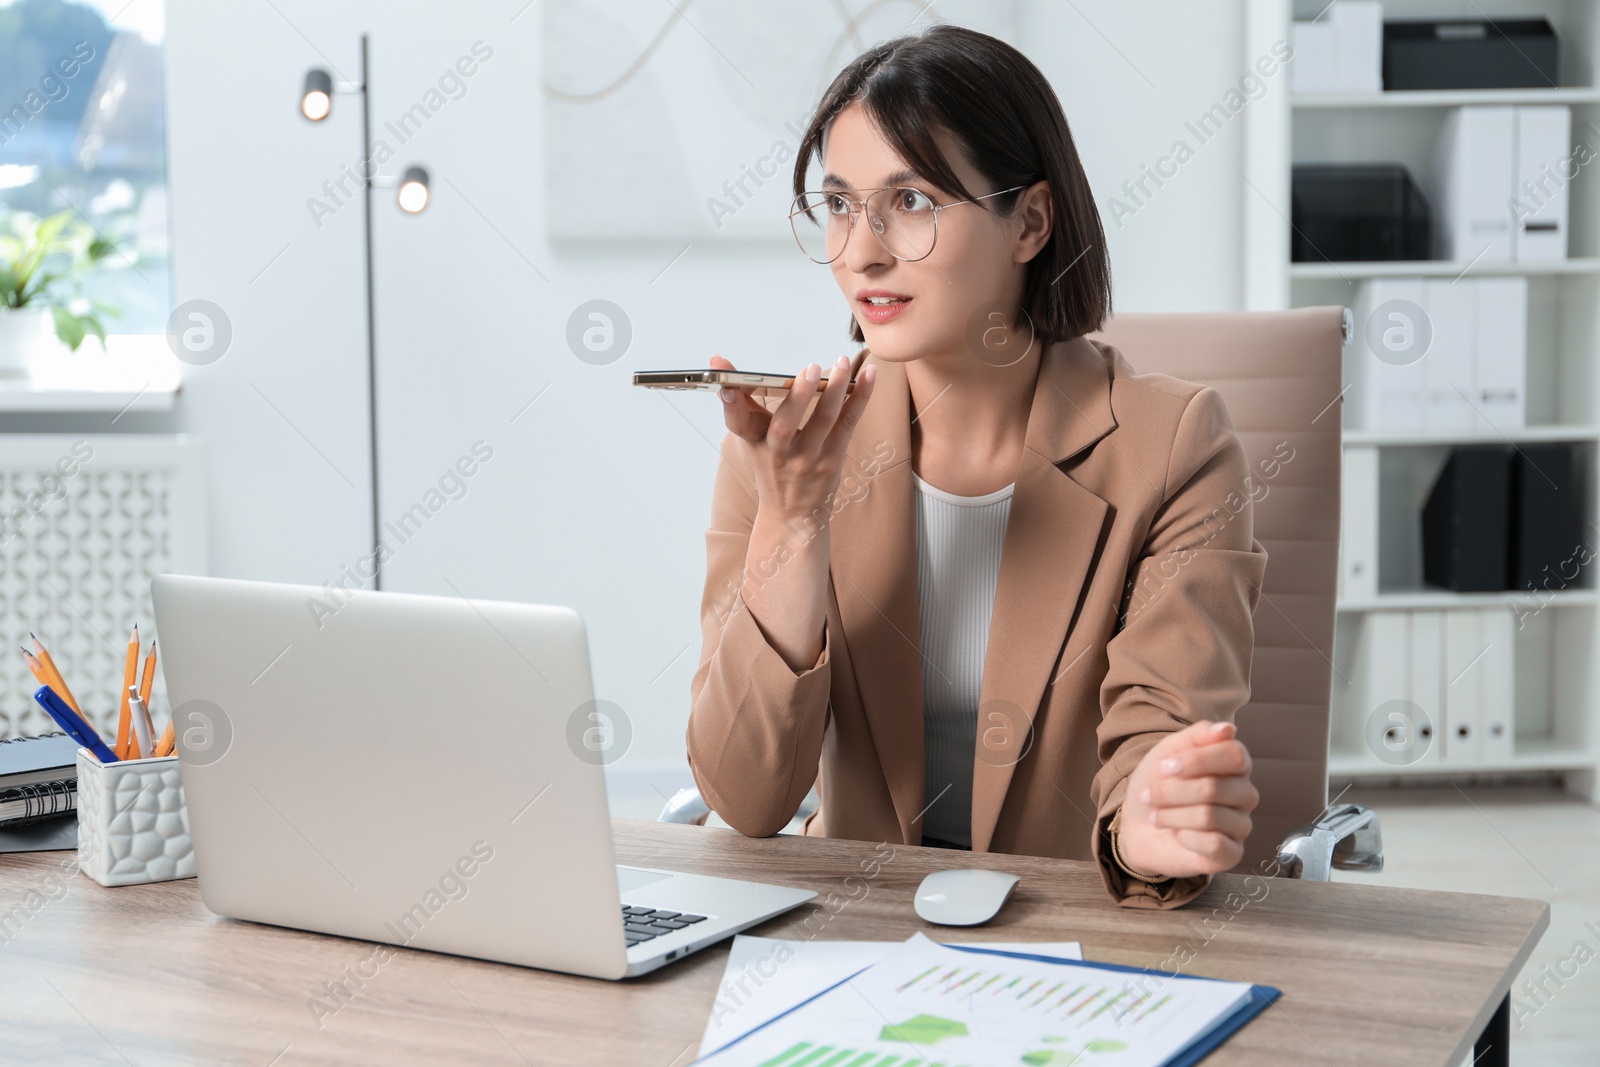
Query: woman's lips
x,y
877,313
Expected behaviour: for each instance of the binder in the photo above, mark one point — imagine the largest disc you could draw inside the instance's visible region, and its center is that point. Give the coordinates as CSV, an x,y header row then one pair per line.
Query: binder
x,y
1358,544
1427,685
1543,153
1498,730
1465,529
1464,654
1474,164
1380,675
1387,384
1501,179
1500,328
1546,518
1449,369
1469,341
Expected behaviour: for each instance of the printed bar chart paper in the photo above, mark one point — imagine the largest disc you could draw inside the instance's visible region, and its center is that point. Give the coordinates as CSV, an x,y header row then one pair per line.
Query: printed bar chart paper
x,y
929,1005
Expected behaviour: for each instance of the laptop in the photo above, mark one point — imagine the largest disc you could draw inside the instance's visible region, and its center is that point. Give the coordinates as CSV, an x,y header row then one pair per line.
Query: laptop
x,y
420,771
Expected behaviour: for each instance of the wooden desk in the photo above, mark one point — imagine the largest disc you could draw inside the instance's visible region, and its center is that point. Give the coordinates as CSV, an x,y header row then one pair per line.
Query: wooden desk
x,y
146,975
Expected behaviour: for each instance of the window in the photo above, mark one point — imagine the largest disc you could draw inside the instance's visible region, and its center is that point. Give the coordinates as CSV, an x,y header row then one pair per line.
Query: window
x,y
81,129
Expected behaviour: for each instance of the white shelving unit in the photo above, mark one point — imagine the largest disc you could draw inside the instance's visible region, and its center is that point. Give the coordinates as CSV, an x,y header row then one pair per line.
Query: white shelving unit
x,y
1440,268
1449,97
1554,432
1556,656
1441,599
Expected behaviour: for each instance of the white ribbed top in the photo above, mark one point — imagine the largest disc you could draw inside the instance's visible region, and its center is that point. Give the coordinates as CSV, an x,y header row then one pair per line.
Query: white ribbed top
x,y
958,566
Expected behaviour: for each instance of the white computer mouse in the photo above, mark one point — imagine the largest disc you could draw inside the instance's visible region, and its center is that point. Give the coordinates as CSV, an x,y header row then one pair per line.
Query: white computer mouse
x,y
963,897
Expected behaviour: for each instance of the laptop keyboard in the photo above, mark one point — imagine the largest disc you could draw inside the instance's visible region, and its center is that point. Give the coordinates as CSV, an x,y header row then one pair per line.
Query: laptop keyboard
x,y
641,924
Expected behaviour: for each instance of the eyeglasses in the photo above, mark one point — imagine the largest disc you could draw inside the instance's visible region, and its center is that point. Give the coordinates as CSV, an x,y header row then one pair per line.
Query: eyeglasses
x,y
904,220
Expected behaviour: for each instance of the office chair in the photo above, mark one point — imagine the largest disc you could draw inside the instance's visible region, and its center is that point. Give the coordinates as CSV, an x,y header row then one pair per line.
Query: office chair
x,y
1280,373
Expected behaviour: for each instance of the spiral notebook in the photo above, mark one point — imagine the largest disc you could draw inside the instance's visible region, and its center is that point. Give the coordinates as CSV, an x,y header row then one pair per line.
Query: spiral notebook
x,y
27,803
38,777
30,760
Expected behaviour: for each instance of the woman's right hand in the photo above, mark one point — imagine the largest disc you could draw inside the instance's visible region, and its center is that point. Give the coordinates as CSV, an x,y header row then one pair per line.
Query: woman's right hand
x,y
798,465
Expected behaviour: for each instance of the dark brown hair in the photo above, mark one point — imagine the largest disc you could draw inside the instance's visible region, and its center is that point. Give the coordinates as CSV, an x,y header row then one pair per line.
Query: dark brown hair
x,y
998,106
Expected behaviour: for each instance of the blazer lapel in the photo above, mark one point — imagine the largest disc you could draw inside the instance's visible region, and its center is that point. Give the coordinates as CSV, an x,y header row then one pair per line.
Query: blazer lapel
x,y
873,559
1051,538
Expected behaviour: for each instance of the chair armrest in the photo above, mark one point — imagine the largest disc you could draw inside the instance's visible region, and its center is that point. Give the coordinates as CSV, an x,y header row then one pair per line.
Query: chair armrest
x,y
689,807
1346,837
686,806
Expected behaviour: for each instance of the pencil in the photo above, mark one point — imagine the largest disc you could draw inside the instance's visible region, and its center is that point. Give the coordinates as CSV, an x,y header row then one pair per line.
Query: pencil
x,y
130,673
56,682
36,667
168,740
148,680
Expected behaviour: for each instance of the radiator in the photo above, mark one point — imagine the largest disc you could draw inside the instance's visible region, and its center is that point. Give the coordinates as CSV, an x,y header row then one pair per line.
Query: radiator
x,y
86,520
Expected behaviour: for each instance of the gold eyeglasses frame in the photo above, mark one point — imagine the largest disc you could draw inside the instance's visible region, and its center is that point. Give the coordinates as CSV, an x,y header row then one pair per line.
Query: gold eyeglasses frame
x,y
858,206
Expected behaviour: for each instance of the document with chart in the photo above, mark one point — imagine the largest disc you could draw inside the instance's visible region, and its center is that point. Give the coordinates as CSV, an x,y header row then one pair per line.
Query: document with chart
x,y
931,1005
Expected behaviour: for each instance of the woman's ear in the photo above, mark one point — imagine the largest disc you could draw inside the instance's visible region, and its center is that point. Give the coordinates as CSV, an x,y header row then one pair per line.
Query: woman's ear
x,y
1036,211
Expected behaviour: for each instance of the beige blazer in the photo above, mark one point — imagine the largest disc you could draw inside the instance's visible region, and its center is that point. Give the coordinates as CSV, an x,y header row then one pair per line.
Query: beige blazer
x,y
1129,576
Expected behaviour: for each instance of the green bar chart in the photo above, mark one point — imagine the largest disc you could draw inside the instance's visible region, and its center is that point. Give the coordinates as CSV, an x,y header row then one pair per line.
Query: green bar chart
x,y
807,1054
1062,1000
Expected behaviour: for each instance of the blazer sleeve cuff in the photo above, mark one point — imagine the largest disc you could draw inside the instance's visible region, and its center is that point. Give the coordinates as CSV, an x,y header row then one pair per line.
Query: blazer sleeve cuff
x,y
1125,889
755,732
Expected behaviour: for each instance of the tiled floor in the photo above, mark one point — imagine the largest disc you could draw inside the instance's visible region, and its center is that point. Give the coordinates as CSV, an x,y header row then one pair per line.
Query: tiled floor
x,y
1511,841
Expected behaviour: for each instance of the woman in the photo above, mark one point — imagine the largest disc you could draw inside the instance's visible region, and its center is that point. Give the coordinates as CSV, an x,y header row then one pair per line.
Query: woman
x,y
1070,696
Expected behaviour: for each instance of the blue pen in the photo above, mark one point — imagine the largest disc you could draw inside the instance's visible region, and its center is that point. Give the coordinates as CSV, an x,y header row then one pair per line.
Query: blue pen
x,y
75,727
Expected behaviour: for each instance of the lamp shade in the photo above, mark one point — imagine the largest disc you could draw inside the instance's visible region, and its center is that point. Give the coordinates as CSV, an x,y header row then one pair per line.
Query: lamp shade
x,y
316,100
413,194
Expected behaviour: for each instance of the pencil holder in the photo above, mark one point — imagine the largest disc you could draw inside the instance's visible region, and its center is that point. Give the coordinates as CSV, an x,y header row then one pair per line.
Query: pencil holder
x,y
133,826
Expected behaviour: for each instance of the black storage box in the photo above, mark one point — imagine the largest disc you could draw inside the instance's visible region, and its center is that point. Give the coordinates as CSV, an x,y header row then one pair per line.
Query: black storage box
x,y
1469,54
1345,212
1547,507
1465,534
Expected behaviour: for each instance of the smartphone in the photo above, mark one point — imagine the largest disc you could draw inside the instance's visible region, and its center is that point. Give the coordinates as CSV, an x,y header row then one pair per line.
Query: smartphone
x,y
756,382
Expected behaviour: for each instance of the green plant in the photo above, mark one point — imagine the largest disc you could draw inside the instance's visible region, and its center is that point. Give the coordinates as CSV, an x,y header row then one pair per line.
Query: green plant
x,y
43,263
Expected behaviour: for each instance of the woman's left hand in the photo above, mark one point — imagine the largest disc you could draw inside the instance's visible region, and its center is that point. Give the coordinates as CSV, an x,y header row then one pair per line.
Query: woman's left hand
x,y
1187,809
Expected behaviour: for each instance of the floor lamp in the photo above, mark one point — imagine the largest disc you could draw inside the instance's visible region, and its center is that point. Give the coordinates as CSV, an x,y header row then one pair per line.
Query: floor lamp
x,y
316,104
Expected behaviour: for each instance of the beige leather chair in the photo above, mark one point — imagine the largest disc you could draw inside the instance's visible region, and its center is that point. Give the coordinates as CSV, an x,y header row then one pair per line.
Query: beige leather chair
x,y
1280,375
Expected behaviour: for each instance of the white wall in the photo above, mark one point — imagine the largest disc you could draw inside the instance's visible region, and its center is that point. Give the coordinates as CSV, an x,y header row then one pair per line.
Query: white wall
x,y
598,494
1130,77
284,409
